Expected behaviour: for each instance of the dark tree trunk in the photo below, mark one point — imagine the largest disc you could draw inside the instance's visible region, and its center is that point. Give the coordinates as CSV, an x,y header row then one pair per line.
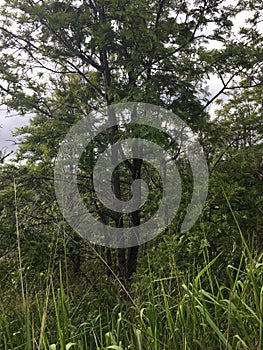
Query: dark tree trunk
x,y
132,260
122,262
127,262
135,216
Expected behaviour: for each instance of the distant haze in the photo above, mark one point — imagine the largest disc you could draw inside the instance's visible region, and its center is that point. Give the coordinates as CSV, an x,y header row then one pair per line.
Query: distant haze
x,y
9,122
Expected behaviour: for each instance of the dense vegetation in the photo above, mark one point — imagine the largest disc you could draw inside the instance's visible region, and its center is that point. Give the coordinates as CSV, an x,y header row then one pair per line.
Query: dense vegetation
x,y
200,289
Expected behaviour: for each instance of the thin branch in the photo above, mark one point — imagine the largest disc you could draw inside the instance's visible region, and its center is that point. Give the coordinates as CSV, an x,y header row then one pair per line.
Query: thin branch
x,y
19,245
159,12
220,91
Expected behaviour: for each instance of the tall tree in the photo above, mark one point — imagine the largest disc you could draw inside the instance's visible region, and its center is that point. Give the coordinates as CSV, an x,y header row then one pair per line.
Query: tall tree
x,y
62,59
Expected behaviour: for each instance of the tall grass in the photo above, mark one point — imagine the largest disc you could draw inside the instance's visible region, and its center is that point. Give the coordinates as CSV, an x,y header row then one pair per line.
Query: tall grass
x,y
230,317
196,312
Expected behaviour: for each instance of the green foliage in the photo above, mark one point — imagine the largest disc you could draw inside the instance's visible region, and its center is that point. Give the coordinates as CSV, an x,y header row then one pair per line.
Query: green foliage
x,y
201,289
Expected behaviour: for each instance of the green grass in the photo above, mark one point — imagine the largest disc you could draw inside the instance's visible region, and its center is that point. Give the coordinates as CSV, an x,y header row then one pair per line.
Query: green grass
x,y
188,310
230,317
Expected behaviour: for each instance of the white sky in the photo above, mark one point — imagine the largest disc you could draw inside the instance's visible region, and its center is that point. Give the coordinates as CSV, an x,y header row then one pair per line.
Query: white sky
x,y
9,123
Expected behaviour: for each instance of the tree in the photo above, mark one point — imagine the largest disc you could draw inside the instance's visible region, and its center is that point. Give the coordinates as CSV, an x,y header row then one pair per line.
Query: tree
x,y
60,60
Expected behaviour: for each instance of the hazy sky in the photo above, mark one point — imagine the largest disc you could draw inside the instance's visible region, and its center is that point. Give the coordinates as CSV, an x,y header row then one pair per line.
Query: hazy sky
x,y
9,123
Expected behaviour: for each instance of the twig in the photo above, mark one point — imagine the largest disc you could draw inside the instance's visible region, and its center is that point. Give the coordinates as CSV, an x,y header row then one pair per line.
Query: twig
x,y
19,246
